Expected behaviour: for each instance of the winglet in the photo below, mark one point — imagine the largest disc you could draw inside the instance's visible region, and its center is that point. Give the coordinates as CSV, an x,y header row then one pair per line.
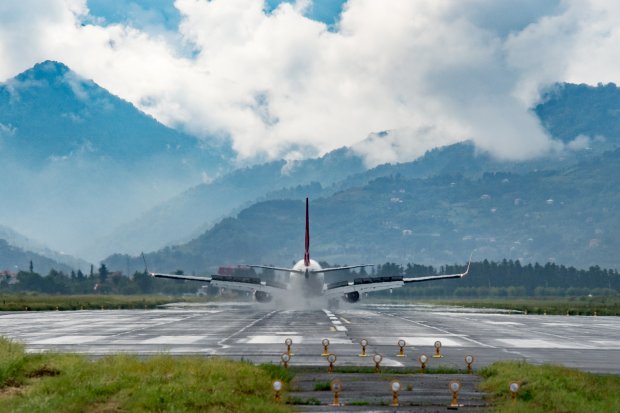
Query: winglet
x,y
307,248
468,265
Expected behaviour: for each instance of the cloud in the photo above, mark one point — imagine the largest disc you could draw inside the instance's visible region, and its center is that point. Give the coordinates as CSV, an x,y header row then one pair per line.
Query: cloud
x,y
280,84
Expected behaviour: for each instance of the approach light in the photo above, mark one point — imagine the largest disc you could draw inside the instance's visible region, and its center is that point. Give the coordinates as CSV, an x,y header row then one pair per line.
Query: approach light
x,y
377,359
401,344
364,344
455,387
288,342
285,359
277,387
331,359
437,349
514,389
336,387
395,387
469,361
325,343
423,359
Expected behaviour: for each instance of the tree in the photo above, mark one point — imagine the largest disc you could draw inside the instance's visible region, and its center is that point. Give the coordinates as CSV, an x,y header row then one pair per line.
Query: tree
x,y
103,273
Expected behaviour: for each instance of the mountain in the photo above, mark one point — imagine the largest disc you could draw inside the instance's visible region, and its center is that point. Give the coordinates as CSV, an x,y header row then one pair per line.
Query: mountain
x,y
79,161
195,210
568,111
17,240
49,113
15,259
568,216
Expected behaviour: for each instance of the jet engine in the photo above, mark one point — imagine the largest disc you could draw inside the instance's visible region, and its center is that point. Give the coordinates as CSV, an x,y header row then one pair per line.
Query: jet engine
x,y
352,297
262,297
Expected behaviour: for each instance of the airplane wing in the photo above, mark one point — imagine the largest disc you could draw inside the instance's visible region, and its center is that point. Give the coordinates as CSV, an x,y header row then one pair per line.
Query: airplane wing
x,y
408,280
249,284
363,285
368,284
269,267
348,267
180,277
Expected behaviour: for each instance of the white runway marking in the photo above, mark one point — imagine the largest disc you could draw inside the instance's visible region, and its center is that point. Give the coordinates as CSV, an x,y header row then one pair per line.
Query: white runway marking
x,y
69,340
536,343
172,340
335,321
504,323
224,340
270,340
608,343
471,340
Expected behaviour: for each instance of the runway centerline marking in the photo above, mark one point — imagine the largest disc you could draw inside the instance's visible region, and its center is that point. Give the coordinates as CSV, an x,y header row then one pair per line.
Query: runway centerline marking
x,y
337,324
471,340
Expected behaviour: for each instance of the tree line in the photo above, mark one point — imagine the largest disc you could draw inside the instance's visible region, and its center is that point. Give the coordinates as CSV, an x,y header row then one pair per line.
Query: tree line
x,y
486,278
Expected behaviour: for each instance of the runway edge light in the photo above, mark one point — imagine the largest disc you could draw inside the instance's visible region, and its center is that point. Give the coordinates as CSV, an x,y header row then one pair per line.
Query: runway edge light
x,y
514,389
455,388
364,344
401,344
285,359
423,359
336,386
325,343
288,342
277,388
331,359
395,387
469,360
437,349
377,359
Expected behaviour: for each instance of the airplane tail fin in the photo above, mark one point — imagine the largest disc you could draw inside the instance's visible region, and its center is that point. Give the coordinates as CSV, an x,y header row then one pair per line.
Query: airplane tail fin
x,y
307,249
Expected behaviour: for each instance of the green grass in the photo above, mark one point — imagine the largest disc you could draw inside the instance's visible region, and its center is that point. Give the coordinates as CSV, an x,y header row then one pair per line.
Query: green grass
x,y
323,386
602,306
121,383
46,302
550,389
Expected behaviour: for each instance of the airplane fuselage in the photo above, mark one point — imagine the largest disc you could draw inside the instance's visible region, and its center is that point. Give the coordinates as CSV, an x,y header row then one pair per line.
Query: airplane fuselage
x,y
309,281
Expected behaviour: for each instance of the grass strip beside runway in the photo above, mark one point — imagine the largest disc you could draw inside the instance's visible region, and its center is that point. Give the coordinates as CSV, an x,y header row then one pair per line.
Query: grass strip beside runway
x,y
73,383
48,302
550,389
589,306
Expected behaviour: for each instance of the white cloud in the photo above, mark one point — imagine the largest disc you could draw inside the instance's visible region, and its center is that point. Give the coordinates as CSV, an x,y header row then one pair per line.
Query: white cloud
x,y
281,85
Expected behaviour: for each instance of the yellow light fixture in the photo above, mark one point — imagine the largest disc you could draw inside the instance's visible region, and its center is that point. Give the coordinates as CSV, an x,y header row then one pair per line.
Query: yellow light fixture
x,y
437,349
395,387
364,344
325,343
377,359
288,342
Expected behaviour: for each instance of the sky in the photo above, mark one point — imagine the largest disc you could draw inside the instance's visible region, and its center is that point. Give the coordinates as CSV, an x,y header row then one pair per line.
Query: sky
x,y
295,79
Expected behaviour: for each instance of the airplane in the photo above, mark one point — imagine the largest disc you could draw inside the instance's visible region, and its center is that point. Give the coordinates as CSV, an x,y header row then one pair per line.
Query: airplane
x,y
307,278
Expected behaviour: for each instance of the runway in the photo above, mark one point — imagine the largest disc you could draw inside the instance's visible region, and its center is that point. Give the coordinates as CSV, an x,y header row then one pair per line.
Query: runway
x,y
257,333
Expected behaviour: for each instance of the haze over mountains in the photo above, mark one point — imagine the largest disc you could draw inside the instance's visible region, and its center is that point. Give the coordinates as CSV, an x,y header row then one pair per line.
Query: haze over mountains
x,y
87,173
79,161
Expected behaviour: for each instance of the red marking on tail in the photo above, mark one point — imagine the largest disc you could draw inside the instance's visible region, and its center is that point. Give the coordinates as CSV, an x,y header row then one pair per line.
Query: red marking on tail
x,y
307,250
